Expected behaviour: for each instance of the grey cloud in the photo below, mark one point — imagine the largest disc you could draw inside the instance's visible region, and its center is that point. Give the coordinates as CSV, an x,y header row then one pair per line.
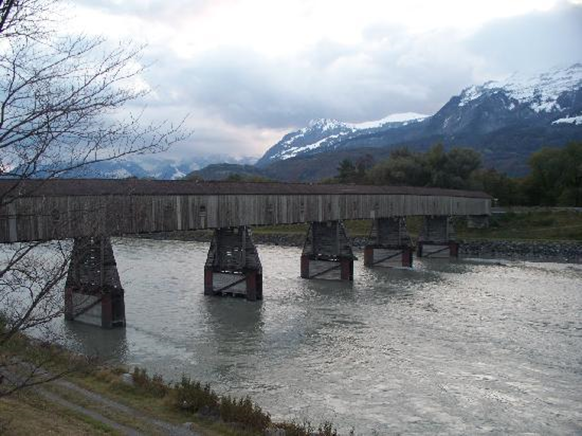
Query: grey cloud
x,y
389,71
532,42
158,10
329,80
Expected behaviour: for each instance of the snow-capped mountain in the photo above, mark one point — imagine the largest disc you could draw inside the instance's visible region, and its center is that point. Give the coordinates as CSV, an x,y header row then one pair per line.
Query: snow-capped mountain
x,y
505,120
540,93
551,98
324,134
152,167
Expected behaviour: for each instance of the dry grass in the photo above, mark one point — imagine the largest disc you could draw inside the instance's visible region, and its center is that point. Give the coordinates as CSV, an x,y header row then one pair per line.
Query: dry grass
x,y
26,413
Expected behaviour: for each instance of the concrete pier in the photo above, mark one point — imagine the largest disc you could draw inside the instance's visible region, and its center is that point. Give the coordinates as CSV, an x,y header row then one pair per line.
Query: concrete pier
x,y
437,238
93,291
327,252
389,243
233,266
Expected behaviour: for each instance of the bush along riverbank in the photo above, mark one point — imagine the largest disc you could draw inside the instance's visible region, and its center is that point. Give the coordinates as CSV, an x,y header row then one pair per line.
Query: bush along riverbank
x,y
94,398
200,401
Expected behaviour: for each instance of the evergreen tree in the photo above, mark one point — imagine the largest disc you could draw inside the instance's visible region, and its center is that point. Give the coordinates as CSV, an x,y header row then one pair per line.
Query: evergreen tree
x,y
346,171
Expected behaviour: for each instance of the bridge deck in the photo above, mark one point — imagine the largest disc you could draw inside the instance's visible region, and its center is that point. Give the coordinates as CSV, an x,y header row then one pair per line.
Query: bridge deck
x,y
57,209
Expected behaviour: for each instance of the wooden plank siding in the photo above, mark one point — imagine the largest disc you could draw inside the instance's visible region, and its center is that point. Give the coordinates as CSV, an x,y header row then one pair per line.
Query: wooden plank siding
x,y
60,216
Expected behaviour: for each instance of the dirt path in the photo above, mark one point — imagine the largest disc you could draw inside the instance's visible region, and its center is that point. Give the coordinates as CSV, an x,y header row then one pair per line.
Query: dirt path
x,y
156,425
87,412
95,406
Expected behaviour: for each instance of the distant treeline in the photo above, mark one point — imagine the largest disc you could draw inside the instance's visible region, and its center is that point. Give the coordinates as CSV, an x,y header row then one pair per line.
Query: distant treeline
x,y
555,178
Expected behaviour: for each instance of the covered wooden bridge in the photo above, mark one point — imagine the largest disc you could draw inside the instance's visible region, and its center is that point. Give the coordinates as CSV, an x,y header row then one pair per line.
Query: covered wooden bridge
x,y
91,211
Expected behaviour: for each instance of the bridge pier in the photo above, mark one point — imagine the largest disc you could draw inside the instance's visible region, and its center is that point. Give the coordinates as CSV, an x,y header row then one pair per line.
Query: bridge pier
x,y
233,266
390,243
327,252
93,292
437,238
477,221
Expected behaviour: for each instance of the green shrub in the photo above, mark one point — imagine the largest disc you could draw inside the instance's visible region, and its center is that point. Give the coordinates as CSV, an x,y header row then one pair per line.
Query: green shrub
x,y
153,386
306,429
244,412
194,397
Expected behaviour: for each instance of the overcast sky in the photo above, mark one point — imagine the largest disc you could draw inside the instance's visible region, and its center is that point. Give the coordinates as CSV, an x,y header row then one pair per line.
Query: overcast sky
x,y
248,71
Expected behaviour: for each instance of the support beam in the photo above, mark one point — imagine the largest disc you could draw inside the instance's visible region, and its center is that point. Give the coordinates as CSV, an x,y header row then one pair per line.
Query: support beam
x,y
327,252
233,266
389,243
93,292
437,238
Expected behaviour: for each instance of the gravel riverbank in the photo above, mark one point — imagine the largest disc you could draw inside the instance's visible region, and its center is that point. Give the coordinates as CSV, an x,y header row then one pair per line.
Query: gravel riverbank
x,y
560,251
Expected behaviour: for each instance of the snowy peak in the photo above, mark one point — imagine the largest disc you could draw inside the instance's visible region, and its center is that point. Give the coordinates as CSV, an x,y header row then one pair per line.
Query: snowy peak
x,y
325,124
519,113
540,92
325,134
404,118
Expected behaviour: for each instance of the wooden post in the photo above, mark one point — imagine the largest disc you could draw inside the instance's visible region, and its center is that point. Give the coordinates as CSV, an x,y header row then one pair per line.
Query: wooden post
x,y
304,267
419,249
208,282
347,269
106,311
369,256
254,283
454,249
407,257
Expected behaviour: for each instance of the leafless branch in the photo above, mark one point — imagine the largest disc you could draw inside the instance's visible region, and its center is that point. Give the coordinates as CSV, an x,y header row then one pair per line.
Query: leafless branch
x,y
60,110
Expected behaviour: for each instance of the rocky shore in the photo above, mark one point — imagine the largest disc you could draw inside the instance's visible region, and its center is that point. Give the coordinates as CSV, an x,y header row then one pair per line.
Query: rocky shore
x,y
531,250
560,251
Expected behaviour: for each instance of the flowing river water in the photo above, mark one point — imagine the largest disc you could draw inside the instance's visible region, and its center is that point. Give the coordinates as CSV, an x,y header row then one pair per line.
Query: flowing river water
x,y
454,347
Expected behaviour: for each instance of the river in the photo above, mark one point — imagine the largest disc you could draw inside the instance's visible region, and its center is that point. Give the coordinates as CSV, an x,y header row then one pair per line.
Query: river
x,y
454,347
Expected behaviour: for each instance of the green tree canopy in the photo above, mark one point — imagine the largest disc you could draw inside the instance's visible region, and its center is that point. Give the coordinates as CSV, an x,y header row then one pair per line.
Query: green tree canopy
x,y
346,171
556,176
437,168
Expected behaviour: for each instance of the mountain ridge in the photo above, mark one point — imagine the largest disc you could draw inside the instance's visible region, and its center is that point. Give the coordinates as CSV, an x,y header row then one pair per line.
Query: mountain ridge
x,y
505,120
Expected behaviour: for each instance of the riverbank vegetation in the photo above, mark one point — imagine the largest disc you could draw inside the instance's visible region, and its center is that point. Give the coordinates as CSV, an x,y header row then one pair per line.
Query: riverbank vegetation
x,y
31,410
555,177
540,224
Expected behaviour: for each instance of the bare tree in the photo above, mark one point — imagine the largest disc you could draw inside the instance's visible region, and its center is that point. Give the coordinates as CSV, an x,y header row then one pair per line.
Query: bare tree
x,y
60,101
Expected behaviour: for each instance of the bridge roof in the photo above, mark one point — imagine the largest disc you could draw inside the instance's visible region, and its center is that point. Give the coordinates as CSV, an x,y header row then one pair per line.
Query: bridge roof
x,y
93,187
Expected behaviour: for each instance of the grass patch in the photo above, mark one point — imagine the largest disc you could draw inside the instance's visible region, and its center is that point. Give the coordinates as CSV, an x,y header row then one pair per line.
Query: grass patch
x,y
542,225
25,413
188,400
125,419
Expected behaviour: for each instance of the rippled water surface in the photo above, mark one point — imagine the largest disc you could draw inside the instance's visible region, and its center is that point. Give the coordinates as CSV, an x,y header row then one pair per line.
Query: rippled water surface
x,y
452,347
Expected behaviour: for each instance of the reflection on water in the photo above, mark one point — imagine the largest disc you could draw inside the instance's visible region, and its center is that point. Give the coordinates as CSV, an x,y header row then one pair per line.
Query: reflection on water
x,y
108,344
452,347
